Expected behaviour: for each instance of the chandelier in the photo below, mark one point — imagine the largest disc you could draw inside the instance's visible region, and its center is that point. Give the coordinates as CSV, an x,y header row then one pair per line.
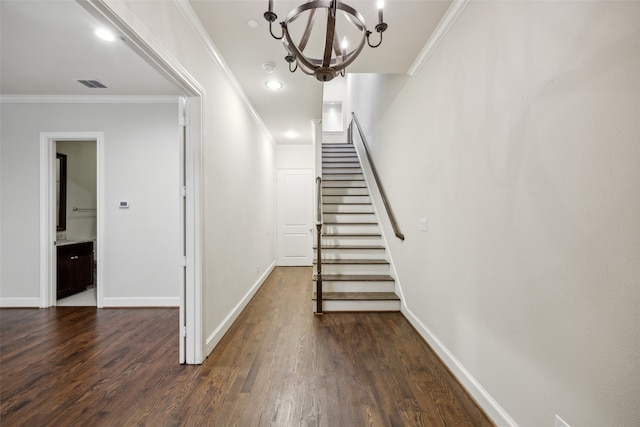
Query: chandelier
x,y
330,55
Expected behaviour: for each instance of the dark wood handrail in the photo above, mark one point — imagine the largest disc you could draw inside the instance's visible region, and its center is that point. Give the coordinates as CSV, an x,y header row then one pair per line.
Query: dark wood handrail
x,y
319,221
385,200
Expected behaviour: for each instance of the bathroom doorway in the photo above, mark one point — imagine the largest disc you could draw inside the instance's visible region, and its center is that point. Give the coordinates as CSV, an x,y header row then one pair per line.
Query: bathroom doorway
x,y
76,222
74,234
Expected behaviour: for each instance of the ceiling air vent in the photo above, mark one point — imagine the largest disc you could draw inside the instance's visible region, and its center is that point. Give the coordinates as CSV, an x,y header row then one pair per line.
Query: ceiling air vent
x,y
93,84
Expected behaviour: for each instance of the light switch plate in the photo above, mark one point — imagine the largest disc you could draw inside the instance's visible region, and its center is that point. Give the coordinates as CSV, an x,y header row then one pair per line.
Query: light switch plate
x,y
422,224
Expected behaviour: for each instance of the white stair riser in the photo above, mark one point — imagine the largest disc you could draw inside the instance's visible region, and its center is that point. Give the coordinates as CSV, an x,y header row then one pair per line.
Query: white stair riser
x,y
350,229
367,241
336,286
350,183
333,208
331,217
326,163
343,174
352,254
346,199
342,192
354,269
344,171
329,305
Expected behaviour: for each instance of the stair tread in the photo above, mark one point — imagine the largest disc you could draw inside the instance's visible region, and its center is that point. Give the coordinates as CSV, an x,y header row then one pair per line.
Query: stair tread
x,y
358,296
356,277
352,261
339,160
349,213
363,247
340,186
350,223
341,173
351,235
347,155
338,146
347,203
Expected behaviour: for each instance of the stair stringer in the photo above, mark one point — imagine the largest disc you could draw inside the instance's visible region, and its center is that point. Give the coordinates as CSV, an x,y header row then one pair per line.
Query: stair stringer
x,y
381,213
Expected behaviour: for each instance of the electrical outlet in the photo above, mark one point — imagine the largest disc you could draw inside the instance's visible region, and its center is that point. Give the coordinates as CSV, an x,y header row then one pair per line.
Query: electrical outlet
x,y
560,422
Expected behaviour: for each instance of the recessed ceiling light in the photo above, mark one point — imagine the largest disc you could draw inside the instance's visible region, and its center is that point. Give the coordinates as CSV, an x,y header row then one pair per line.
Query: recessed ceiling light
x,y
291,134
252,23
105,35
273,84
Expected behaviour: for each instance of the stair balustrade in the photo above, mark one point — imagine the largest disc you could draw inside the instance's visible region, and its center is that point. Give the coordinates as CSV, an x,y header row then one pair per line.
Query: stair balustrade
x,y
319,221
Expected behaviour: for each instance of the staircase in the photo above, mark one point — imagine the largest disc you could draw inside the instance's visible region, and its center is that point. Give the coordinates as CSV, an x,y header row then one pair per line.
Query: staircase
x,y
355,271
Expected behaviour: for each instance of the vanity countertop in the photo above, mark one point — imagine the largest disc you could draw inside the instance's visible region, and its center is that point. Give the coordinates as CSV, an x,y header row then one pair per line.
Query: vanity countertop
x,y
72,242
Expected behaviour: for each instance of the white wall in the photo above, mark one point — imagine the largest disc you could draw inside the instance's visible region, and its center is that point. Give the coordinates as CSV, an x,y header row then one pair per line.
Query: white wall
x,y
141,244
295,157
335,92
237,168
519,141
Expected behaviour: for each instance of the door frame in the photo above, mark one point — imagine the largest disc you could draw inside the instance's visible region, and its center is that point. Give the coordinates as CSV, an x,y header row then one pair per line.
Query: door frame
x,y
48,253
118,15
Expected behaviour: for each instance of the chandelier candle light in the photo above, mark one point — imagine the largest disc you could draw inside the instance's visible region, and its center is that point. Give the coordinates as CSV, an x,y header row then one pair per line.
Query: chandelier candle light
x,y
331,56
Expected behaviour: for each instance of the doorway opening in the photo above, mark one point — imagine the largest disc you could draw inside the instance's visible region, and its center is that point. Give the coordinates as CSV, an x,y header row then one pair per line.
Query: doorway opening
x,y
71,238
76,223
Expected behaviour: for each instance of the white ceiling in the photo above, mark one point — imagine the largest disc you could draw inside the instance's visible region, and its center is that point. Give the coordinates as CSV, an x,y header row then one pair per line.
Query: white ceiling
x,y
47,45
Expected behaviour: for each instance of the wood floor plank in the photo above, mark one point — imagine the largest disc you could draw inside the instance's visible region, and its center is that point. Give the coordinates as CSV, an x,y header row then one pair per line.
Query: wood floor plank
x,y
277,365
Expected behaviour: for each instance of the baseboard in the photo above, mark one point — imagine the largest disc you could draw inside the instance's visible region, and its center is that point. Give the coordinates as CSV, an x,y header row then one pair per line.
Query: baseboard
x,y
486,402
19,302
140,302
218,333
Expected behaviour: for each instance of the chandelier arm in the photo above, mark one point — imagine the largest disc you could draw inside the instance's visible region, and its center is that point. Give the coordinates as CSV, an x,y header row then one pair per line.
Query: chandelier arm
x,y
354,22
273,35
304,70
307,31
373,45
336,45
299,56
295,68
329,39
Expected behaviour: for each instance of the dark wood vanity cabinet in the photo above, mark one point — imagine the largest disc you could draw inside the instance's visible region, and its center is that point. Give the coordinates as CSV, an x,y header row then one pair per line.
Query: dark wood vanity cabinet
x,y
75,268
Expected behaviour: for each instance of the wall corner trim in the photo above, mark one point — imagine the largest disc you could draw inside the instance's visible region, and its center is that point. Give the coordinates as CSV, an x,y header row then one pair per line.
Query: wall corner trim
x,y
447,22
493,410
201,33
223,327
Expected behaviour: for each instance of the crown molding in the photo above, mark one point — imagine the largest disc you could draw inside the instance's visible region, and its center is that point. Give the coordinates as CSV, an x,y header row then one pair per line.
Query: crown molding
x,y
196,26
86,99
446,23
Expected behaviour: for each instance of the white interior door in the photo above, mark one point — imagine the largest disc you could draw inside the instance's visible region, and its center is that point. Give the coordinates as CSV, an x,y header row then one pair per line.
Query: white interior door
x,y
295,216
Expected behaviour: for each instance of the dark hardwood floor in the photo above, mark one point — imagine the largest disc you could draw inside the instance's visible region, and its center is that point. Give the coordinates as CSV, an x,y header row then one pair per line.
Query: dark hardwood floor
x,y
279,365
